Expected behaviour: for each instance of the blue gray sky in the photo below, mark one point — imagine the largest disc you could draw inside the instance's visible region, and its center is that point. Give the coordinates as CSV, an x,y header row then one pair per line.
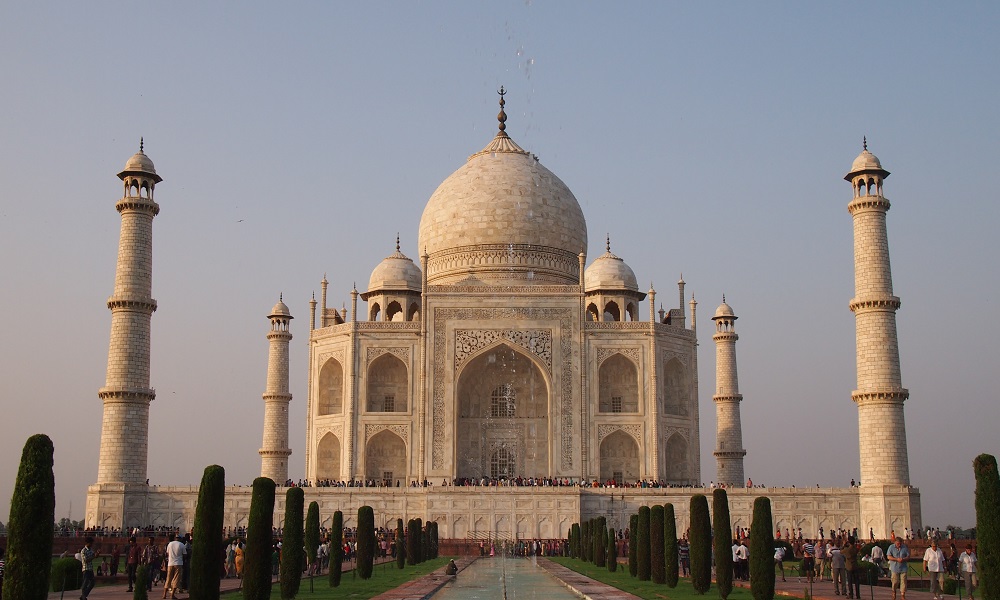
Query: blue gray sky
x,y
708,139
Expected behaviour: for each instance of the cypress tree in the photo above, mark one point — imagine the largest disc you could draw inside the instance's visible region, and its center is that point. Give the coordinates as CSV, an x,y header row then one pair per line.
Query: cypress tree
x,y
585,541
257,560
701,544
366,542
425,544
633,558
412,542
574,541
141,582
657,566
600,544
722,525
400,545
987,524
762,550
642,541
434,539
30,528
612,552
336,549
291,553
312,532
206,551
670,558
419,539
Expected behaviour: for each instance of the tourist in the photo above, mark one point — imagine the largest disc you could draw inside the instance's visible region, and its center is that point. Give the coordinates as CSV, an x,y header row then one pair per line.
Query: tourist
x,y
878,557
822,560
838,571
850,553
684,554
231,559
897,555
87,559
744,561
934,565
967,561
186,567
116,557
151,558
239,559
132,555
175,565
809,559
779,558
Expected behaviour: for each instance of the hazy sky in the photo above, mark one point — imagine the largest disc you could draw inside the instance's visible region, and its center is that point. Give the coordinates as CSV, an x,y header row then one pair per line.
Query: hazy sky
x,y
297,139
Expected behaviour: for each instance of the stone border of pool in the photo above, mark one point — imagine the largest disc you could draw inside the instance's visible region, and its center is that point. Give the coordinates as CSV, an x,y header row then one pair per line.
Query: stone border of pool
x,y
583,586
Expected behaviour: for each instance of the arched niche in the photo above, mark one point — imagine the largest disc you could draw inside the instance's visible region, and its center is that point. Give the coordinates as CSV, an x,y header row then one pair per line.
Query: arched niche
x,y
374,312
331,389
388,384
393,311
676,388
385,458
675,459
618,385
521,430
619,458
612,312
328,458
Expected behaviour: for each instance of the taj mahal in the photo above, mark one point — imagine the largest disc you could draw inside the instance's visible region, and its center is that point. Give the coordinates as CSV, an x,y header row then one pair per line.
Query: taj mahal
x,y
500,355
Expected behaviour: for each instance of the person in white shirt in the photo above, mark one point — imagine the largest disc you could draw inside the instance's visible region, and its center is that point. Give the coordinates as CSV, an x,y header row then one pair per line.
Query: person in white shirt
x,y
967,565
878,557
934,565
175,564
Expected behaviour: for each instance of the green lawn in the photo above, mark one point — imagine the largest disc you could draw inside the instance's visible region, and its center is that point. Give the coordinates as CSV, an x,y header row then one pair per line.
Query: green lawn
x,y
646,589
385,577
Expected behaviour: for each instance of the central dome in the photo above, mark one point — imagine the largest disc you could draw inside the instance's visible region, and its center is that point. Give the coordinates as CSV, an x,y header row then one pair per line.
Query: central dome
x,y
503,218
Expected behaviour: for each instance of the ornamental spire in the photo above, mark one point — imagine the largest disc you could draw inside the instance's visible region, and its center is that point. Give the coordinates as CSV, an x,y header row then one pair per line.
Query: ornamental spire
x,y
502,116
864,143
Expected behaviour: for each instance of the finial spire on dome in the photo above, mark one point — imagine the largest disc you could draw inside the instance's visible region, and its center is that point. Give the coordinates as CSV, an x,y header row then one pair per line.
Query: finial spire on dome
x,y
502,116
864,142
607,243
397,241
723,298
140,143
281,297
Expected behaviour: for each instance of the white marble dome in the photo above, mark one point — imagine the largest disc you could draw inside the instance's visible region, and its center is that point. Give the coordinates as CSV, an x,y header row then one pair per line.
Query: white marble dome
x,y
724,311
866,161
609,272
503,218
395,272
280,310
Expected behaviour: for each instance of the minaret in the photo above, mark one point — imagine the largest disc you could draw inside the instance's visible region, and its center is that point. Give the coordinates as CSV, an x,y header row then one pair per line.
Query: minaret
x,y
880,394
274,452
126,393
729,451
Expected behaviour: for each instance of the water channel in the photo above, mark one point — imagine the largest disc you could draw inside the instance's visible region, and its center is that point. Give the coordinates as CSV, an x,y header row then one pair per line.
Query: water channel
x,y
500,577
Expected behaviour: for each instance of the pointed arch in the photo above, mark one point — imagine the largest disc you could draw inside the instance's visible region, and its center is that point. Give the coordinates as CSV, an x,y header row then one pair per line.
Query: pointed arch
x,y
521,429
413,313
374,312
393,311
328,458
676,460
385,458
620,458
631,311
618,388
612,312
676,388
331,388
387,384
592,313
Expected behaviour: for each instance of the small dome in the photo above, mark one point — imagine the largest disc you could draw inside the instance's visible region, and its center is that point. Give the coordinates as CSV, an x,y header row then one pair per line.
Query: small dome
x,y
140,164
395,272
609,272
280,310
866,161
724,311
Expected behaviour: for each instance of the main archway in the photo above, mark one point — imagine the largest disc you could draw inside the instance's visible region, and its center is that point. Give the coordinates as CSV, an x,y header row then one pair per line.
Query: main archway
x,y
502,416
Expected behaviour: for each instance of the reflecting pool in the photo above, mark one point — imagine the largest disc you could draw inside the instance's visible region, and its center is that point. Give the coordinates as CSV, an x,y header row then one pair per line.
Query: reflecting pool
x,y
500,577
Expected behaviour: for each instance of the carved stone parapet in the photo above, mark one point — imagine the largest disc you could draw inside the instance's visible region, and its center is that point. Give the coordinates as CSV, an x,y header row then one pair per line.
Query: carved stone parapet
x,y
875,303
897,396
619,325
126,395
143,304
725,336
413,326
277,397
728,398
139,204
729,453
274,453
863,203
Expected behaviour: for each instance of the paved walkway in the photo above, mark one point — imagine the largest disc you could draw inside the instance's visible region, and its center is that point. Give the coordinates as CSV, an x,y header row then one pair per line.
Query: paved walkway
x,y
427,585
585,586
118,591
823,590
